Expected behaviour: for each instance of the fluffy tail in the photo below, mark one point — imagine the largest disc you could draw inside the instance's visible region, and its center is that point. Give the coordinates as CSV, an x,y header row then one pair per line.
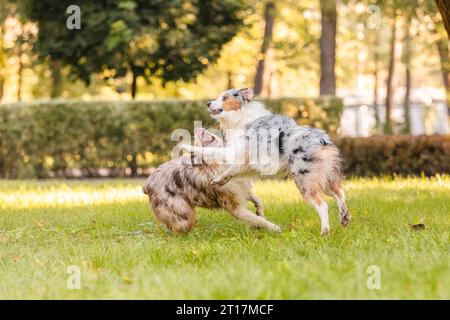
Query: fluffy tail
x,y
330,164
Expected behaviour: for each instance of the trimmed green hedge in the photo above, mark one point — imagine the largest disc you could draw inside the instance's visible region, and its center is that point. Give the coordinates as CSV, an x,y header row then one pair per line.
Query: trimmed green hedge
x,y
401,155
59,138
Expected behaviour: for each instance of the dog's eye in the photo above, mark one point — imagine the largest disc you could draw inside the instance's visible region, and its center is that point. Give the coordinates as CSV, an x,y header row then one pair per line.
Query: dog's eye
x,y
225,98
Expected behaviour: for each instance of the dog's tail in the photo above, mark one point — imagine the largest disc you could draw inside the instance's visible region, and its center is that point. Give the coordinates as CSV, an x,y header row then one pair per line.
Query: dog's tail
x,y
324,173
330,162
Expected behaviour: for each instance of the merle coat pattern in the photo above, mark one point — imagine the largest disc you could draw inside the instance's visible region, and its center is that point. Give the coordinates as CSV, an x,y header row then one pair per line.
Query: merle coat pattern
x,y
309,155
178,186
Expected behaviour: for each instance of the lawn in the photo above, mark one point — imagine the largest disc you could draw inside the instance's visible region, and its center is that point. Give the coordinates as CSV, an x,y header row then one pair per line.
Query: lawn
x,y
105,228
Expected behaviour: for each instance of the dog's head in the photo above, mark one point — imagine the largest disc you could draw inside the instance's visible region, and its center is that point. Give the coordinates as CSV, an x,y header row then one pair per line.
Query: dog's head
x,y
230,102
204,138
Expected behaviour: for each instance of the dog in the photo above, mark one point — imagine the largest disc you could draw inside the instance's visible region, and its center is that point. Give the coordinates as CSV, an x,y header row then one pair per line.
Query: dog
x,y
178,186
307,153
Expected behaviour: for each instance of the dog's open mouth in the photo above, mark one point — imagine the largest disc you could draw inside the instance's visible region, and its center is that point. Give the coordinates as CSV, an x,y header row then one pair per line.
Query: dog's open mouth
x,y
216,112
205,138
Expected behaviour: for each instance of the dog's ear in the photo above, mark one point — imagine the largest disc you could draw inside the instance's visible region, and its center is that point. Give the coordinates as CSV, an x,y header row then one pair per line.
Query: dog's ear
x,y
248,94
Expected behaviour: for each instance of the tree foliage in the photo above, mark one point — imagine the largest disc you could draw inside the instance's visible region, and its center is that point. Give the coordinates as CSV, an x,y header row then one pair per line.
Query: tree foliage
x,y
42,139
169,39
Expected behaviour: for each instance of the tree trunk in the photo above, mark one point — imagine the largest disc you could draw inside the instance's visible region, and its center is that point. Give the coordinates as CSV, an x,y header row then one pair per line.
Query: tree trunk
x,y
444,9
2,87
270,83
19,74
390,90
444,54
407,56
133,82
133,165
375,97
328,47
56,90
407,102
230,83
2,58
376,83
263,67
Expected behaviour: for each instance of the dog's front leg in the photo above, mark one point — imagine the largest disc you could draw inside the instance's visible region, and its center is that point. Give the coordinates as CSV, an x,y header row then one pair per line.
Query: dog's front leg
x,y
216,155
228,174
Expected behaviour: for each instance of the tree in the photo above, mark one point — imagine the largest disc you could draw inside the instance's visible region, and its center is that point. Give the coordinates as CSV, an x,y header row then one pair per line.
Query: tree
x,y
390,85
407,61
444,55
170,40
262,77
444,9
376,68
2,57
328,47
22,50
442,44
57,81
398,10
441,41
6,10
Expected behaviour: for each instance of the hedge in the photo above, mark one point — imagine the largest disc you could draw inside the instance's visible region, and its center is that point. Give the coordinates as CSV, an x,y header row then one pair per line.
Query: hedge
x,y
396,155
78,138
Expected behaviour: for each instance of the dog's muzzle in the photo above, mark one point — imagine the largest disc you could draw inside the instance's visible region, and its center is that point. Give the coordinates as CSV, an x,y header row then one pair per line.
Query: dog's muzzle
x,y
212,111
215,112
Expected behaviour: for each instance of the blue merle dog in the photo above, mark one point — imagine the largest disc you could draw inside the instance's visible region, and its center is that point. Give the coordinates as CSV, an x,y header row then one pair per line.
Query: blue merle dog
x,y
308,154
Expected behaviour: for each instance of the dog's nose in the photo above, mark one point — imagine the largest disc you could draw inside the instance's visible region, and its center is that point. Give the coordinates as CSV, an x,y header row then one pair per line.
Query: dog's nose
x,y
209,104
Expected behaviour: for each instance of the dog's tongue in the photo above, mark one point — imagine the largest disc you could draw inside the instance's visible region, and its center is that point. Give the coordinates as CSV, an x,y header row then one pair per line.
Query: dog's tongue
x,y
207,139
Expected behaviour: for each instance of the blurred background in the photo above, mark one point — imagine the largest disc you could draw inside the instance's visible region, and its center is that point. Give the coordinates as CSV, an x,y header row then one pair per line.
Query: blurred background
x,y
96,88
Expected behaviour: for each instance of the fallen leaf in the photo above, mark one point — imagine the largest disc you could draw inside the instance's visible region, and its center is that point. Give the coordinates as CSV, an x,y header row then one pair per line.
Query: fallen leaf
x,y
418,226
127,279
38,223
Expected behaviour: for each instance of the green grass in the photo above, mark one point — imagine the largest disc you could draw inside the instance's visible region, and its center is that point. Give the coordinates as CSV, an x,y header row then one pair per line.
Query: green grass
x,y
106,228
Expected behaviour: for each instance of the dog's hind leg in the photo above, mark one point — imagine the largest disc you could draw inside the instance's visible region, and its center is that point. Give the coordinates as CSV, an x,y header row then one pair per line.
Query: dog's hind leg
x,y
335,190
253,220
312,192
322,209
258,204
178,217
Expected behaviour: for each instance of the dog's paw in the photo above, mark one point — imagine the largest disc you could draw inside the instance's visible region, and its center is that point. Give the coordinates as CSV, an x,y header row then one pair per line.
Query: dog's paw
x,y
325,232
217,181
345,220
276,228
187,147
220,181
